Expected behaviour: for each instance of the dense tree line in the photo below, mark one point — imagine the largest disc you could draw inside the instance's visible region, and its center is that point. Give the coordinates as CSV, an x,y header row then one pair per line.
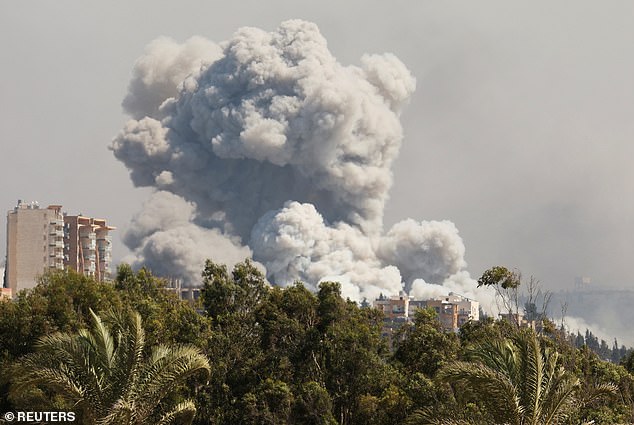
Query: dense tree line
x,y
291,356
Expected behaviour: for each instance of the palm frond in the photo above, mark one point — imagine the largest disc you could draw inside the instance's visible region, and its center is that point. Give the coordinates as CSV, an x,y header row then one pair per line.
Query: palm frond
x,y
491,387
167,368
183,413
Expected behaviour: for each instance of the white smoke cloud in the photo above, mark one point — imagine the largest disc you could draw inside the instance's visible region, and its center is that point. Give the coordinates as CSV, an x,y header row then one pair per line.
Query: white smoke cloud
x,y
579,324
165,238
277,148
295,243
430,250
162,69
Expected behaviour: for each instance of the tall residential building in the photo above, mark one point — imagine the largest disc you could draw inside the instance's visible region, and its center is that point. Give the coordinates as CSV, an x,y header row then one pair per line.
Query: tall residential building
x,y
87,246
42,239
35,243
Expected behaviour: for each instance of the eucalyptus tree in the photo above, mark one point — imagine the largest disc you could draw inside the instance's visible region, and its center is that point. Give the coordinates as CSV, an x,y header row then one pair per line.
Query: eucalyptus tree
x,y
107,375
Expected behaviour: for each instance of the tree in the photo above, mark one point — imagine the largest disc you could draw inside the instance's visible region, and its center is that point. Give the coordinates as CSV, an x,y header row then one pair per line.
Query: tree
x,y
518,381
105,375
423,346
60,302
235,297
231,302
506,285
349,352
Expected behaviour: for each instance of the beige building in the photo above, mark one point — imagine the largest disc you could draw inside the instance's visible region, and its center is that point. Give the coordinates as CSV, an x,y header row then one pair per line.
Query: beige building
x,y
455,310
393,307
43,239
88,246
35,244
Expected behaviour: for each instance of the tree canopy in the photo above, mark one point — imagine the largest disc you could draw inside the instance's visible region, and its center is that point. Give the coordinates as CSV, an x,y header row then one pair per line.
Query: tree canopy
x,y
286,355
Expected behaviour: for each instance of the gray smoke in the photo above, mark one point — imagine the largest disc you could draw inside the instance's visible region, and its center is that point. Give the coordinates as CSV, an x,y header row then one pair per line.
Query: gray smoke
x,y
276,146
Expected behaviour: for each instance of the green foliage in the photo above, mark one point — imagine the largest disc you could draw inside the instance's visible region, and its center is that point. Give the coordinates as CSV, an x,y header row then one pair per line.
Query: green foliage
x,y
520,381
499,276
105,375
292,356
423,346
628,362
313,405
227,298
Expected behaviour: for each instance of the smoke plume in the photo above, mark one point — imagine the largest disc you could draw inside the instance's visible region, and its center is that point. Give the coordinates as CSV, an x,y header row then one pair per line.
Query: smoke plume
x,y
268,145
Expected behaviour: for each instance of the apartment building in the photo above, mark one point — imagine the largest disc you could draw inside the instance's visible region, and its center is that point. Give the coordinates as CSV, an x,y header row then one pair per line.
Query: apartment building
x,y
35,244
453,310
393,307
88,246
43,239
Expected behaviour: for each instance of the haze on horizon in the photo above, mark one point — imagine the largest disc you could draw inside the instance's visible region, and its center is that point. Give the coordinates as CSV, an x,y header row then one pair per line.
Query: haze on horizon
x,y
519,130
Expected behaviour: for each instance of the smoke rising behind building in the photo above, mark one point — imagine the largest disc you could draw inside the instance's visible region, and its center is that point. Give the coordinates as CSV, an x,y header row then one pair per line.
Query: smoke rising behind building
x,y
267,145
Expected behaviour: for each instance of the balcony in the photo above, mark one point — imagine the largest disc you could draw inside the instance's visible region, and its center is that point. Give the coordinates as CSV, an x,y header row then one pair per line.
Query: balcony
x,y
57,233
57,222
56,244
56,265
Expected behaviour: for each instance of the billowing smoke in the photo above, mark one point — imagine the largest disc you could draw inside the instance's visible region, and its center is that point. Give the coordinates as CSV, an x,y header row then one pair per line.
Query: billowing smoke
x,y
270,143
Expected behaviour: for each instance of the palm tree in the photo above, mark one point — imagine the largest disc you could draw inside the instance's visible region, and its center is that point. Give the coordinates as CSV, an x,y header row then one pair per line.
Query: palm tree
x,y
517,381
106,376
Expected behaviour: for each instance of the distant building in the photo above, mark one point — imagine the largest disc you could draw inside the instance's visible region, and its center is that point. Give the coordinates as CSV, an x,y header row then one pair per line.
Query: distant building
x,y
453,310
189,294
582,282
88,246
393,307
520,320
43,239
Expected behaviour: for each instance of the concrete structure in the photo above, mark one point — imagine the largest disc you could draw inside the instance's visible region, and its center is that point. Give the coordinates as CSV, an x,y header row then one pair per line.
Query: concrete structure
x,y
87,246
453,310
43,239
6,293
394,306
35,244
189,294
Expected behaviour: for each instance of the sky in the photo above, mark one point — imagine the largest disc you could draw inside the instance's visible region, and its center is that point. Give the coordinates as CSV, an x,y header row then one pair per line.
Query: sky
x,y
519,130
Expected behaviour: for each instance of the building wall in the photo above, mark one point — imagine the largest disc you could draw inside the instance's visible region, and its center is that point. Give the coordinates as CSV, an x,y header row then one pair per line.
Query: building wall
x,y
88,247
393,307
453,310
42,239
34,244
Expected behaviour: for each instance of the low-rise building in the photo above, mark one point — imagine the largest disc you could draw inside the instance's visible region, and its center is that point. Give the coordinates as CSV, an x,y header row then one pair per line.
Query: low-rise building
x,y
453,310
393,307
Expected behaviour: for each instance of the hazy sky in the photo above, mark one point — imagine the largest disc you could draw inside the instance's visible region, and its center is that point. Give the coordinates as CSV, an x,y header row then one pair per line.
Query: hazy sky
x,y
520,130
